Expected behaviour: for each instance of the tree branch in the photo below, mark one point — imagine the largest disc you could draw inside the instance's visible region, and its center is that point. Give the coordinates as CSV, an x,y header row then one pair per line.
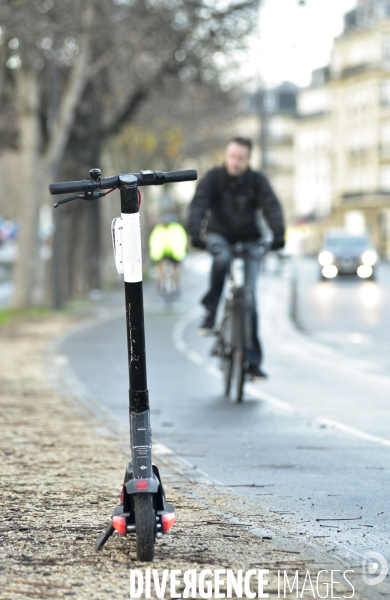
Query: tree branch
x,y
126,113
135,100
75,88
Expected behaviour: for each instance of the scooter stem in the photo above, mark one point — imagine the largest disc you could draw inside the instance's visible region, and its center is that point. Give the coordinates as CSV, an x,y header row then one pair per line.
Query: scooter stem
x,y
140,431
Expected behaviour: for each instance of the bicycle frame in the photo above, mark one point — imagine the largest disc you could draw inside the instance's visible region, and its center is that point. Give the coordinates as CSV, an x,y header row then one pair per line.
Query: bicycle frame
x,y
234,336
239,303
168,279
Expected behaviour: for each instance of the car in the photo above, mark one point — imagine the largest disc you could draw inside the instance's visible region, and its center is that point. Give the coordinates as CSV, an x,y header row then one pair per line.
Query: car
x,y
346,253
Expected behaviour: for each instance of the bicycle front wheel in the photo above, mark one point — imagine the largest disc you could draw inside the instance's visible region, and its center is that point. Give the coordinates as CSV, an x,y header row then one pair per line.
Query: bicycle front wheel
x,y
227,369
225,353
145,526
238,374
238,350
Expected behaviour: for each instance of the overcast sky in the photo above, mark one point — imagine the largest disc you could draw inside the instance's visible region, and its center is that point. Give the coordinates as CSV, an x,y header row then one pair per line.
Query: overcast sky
x,y
293,40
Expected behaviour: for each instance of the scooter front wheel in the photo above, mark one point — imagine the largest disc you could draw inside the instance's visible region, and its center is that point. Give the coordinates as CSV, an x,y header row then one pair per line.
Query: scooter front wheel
x,y
145,526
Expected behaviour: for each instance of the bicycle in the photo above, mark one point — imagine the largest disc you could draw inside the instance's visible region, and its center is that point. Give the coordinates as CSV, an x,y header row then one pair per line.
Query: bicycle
x,y
167,248
143,507
168,284
234,334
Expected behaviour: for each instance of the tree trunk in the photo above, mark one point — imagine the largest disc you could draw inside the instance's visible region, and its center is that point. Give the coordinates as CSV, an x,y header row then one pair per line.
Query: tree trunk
x,y
26,265
37,172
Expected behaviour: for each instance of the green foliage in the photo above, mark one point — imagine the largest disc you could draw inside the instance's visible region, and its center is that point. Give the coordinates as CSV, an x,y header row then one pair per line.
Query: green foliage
x,y
9,315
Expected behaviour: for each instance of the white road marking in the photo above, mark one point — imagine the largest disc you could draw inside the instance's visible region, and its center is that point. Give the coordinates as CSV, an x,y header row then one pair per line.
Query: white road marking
x,y
161,449
195,357
356,432
178,336
213,370
270,399
182,346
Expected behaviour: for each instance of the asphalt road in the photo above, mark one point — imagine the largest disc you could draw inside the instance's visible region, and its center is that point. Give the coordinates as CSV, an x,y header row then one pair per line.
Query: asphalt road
x,y
311,445
347,313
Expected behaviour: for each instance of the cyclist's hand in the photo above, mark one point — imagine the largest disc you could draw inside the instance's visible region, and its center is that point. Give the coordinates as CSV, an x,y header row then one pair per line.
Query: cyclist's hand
x,y
198,242
277,242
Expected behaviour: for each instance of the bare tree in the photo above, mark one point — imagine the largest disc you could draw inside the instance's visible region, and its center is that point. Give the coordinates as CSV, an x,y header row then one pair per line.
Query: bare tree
x,y
117,54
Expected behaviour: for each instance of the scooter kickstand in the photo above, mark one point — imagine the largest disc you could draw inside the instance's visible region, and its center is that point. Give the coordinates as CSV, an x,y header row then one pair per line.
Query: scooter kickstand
x,y
103,537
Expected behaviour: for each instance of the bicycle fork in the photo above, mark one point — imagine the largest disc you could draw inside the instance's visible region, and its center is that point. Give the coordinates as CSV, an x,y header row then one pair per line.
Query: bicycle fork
x,y
141,475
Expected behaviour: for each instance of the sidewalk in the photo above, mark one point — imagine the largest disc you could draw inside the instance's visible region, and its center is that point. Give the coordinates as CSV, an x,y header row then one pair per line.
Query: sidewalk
x,y
61,478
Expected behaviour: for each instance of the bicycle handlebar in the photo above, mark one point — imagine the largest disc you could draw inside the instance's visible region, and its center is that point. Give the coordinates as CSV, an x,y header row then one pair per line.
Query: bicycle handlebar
x,y
240,247
105,183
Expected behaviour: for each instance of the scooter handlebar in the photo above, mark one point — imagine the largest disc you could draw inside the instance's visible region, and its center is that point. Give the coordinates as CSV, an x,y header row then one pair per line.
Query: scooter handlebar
x,y
143,178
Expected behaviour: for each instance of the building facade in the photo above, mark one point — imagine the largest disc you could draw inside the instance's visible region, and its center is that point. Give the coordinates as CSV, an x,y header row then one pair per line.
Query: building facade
x,y
312,150
342,158
275,111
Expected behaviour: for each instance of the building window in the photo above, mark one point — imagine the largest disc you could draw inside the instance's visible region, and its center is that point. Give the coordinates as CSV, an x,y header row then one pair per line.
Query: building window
x,y
386,51
270,101
385,177
277,127
386,8
385,92
385,133
270,158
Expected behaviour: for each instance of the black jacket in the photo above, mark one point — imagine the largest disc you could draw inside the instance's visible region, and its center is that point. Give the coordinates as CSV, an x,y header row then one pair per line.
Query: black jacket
x,y
230,205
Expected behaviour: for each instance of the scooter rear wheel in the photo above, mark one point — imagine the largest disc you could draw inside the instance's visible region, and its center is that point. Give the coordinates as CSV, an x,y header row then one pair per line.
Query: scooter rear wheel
x,y
145,526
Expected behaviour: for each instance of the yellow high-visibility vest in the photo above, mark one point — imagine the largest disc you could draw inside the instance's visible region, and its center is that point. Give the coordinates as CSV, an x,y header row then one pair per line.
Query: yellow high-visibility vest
x,y
170,240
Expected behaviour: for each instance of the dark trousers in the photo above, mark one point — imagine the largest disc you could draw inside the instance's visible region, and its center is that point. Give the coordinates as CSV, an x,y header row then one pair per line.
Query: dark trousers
x,y
221,251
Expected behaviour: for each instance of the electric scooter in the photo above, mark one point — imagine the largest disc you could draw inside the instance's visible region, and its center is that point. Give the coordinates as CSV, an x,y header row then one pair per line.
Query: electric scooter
x,y
143,507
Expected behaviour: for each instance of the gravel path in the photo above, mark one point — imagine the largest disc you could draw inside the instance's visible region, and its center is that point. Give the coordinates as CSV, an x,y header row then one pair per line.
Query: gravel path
x,y
52,510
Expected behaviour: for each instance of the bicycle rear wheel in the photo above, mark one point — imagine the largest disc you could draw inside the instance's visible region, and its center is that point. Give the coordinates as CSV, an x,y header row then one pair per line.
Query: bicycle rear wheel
x,y
145,526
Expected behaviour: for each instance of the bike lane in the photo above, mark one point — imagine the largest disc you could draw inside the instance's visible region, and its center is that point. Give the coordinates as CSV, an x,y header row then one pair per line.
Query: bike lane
x,y
299,445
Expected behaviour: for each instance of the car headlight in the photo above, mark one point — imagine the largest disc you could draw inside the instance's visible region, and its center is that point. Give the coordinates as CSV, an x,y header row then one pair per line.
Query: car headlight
x,y
364,271
369,258
325,258
330,271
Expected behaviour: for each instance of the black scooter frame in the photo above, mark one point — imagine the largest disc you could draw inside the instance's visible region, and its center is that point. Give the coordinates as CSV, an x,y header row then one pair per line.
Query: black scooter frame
x,y
141,475
143,507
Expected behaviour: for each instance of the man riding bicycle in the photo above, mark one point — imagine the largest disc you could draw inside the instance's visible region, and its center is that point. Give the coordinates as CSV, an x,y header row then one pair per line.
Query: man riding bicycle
x,y
229,197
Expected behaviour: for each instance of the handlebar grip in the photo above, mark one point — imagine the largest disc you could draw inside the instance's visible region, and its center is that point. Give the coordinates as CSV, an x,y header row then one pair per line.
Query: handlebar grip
x,y
65,187
176,176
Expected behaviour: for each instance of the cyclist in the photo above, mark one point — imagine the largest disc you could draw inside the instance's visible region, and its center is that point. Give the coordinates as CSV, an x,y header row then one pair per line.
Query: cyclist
x,y
229,197
168,241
